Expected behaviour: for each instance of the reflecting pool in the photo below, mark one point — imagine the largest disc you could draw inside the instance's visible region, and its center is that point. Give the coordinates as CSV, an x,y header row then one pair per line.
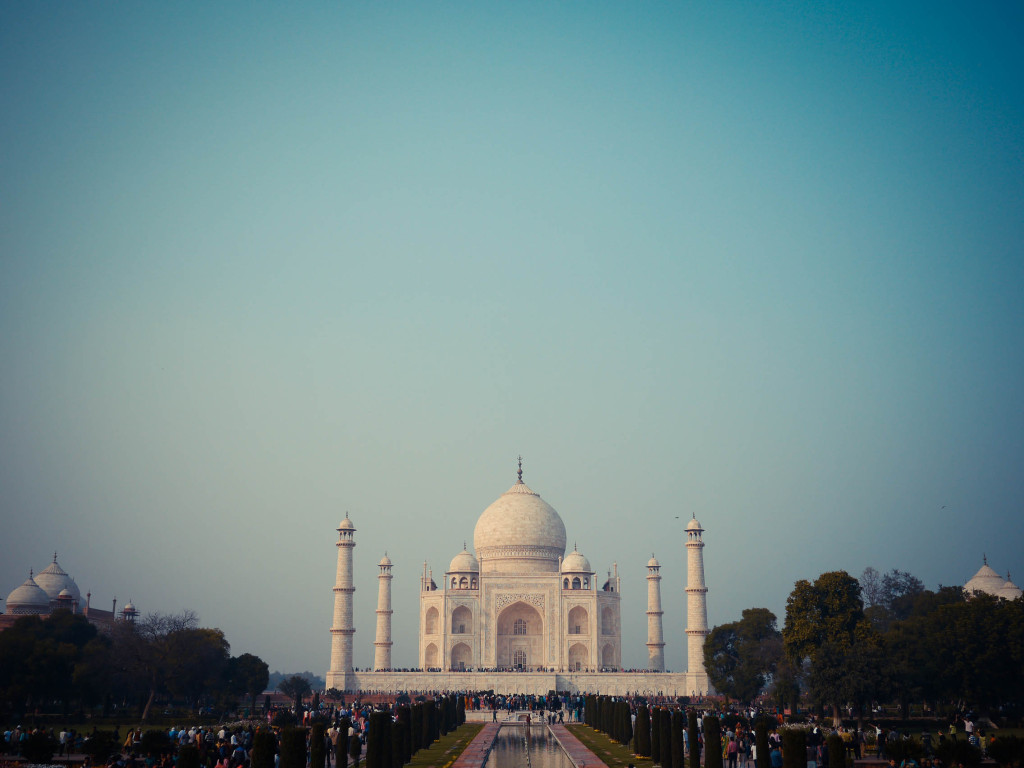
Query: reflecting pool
x,y
510,749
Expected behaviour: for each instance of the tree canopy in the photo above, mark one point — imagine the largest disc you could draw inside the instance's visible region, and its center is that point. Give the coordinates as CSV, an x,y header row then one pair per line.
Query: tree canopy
x,y
741,657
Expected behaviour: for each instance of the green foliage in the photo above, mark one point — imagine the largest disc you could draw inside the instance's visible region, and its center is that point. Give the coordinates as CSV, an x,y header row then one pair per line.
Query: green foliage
x,y
665,726
403,725
794,748
296,687
836,751
39,747
284,718
761,739
247,674
1008,751
642,735
742,655
677,748
378,741
712,742
188,756
953,753
655,734
154,742
293,748
693,736
317,746
100,746
355,748
341,748
264,747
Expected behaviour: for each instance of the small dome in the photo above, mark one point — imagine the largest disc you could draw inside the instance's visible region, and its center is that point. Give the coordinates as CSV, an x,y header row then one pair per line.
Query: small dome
x,y
65,593
575,563
1009,590
385,560
29,598
53,580
694,525
985,580
653,563
346,524
464,562
129,608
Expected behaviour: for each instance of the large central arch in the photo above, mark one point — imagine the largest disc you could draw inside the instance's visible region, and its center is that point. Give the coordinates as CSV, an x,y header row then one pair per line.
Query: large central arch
x,y
520,638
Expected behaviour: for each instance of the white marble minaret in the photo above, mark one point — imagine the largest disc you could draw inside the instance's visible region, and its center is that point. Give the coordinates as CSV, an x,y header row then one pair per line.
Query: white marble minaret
x,y
382,645
655,634
342,629
696,607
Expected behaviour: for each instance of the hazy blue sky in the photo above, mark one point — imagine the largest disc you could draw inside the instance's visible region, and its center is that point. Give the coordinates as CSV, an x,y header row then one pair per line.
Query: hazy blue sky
x,y
263,264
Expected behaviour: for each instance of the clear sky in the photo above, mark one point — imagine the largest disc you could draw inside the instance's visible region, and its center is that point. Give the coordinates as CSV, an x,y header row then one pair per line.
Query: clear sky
x,y
263,264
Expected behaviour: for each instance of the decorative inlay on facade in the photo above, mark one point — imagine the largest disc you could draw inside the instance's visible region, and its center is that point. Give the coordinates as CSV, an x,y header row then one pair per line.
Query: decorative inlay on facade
x,y
512,597
544,553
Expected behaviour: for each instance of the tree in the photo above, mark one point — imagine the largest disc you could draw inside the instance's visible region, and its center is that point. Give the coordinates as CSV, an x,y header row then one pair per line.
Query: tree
x,y
829,613
741,657
712,742
693,737
295,687
248,674
890,597
642,736
293,748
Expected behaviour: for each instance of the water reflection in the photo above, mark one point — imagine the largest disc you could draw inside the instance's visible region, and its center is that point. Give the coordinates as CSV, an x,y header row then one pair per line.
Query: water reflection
x,y
509,750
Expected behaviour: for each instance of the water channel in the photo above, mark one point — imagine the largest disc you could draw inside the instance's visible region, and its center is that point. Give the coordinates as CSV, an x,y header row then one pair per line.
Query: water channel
x,y
513,742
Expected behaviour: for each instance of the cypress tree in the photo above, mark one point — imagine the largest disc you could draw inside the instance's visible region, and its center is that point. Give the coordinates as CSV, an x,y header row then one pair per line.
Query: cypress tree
x,y
293,748
429,723
677,740
665,725
264,747
355,749
794,748
836,751
761,740
404,727
396,744
460,711
694,739
627,724
341,748
656,734
712,742
317,748
642,737
416,727
188,756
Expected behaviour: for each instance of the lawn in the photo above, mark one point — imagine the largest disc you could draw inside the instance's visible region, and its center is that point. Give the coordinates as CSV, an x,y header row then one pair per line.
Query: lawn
x,y
445,750
611,753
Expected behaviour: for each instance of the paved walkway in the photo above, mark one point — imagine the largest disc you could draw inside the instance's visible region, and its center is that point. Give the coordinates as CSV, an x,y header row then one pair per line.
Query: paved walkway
x,y
578,754
474,755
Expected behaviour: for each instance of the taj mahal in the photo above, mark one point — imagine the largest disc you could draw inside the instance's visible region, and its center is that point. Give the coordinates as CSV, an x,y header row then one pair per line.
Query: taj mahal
x,y
518,614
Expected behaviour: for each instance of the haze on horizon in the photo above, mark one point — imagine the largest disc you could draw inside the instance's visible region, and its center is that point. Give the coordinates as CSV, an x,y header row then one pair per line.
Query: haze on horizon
x,y
260,266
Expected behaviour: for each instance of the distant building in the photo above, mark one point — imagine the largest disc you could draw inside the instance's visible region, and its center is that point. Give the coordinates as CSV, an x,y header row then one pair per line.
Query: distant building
x,y
52,589
991,583
520,614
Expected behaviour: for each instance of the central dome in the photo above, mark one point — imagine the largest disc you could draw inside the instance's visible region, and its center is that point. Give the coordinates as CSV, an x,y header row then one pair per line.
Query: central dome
x,y
519,533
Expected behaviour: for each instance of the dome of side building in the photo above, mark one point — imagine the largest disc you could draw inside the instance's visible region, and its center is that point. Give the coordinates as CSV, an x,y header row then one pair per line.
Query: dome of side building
x,y
53,580
27,599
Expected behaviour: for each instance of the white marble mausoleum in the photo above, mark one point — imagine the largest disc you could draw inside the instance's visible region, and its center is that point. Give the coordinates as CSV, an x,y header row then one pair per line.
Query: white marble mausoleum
x,y
518,614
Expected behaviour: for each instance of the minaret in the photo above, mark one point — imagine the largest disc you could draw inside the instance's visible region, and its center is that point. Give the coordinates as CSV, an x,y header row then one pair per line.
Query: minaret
x,y
382,645
655,634
342,629
696,607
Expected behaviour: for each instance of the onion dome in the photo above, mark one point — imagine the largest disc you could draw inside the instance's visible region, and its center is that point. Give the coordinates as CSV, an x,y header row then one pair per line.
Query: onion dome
x,y
575,563
694,525
52,580
27,599
464,562
346,524
519,533
652,563
985,580
385,561
1009,590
